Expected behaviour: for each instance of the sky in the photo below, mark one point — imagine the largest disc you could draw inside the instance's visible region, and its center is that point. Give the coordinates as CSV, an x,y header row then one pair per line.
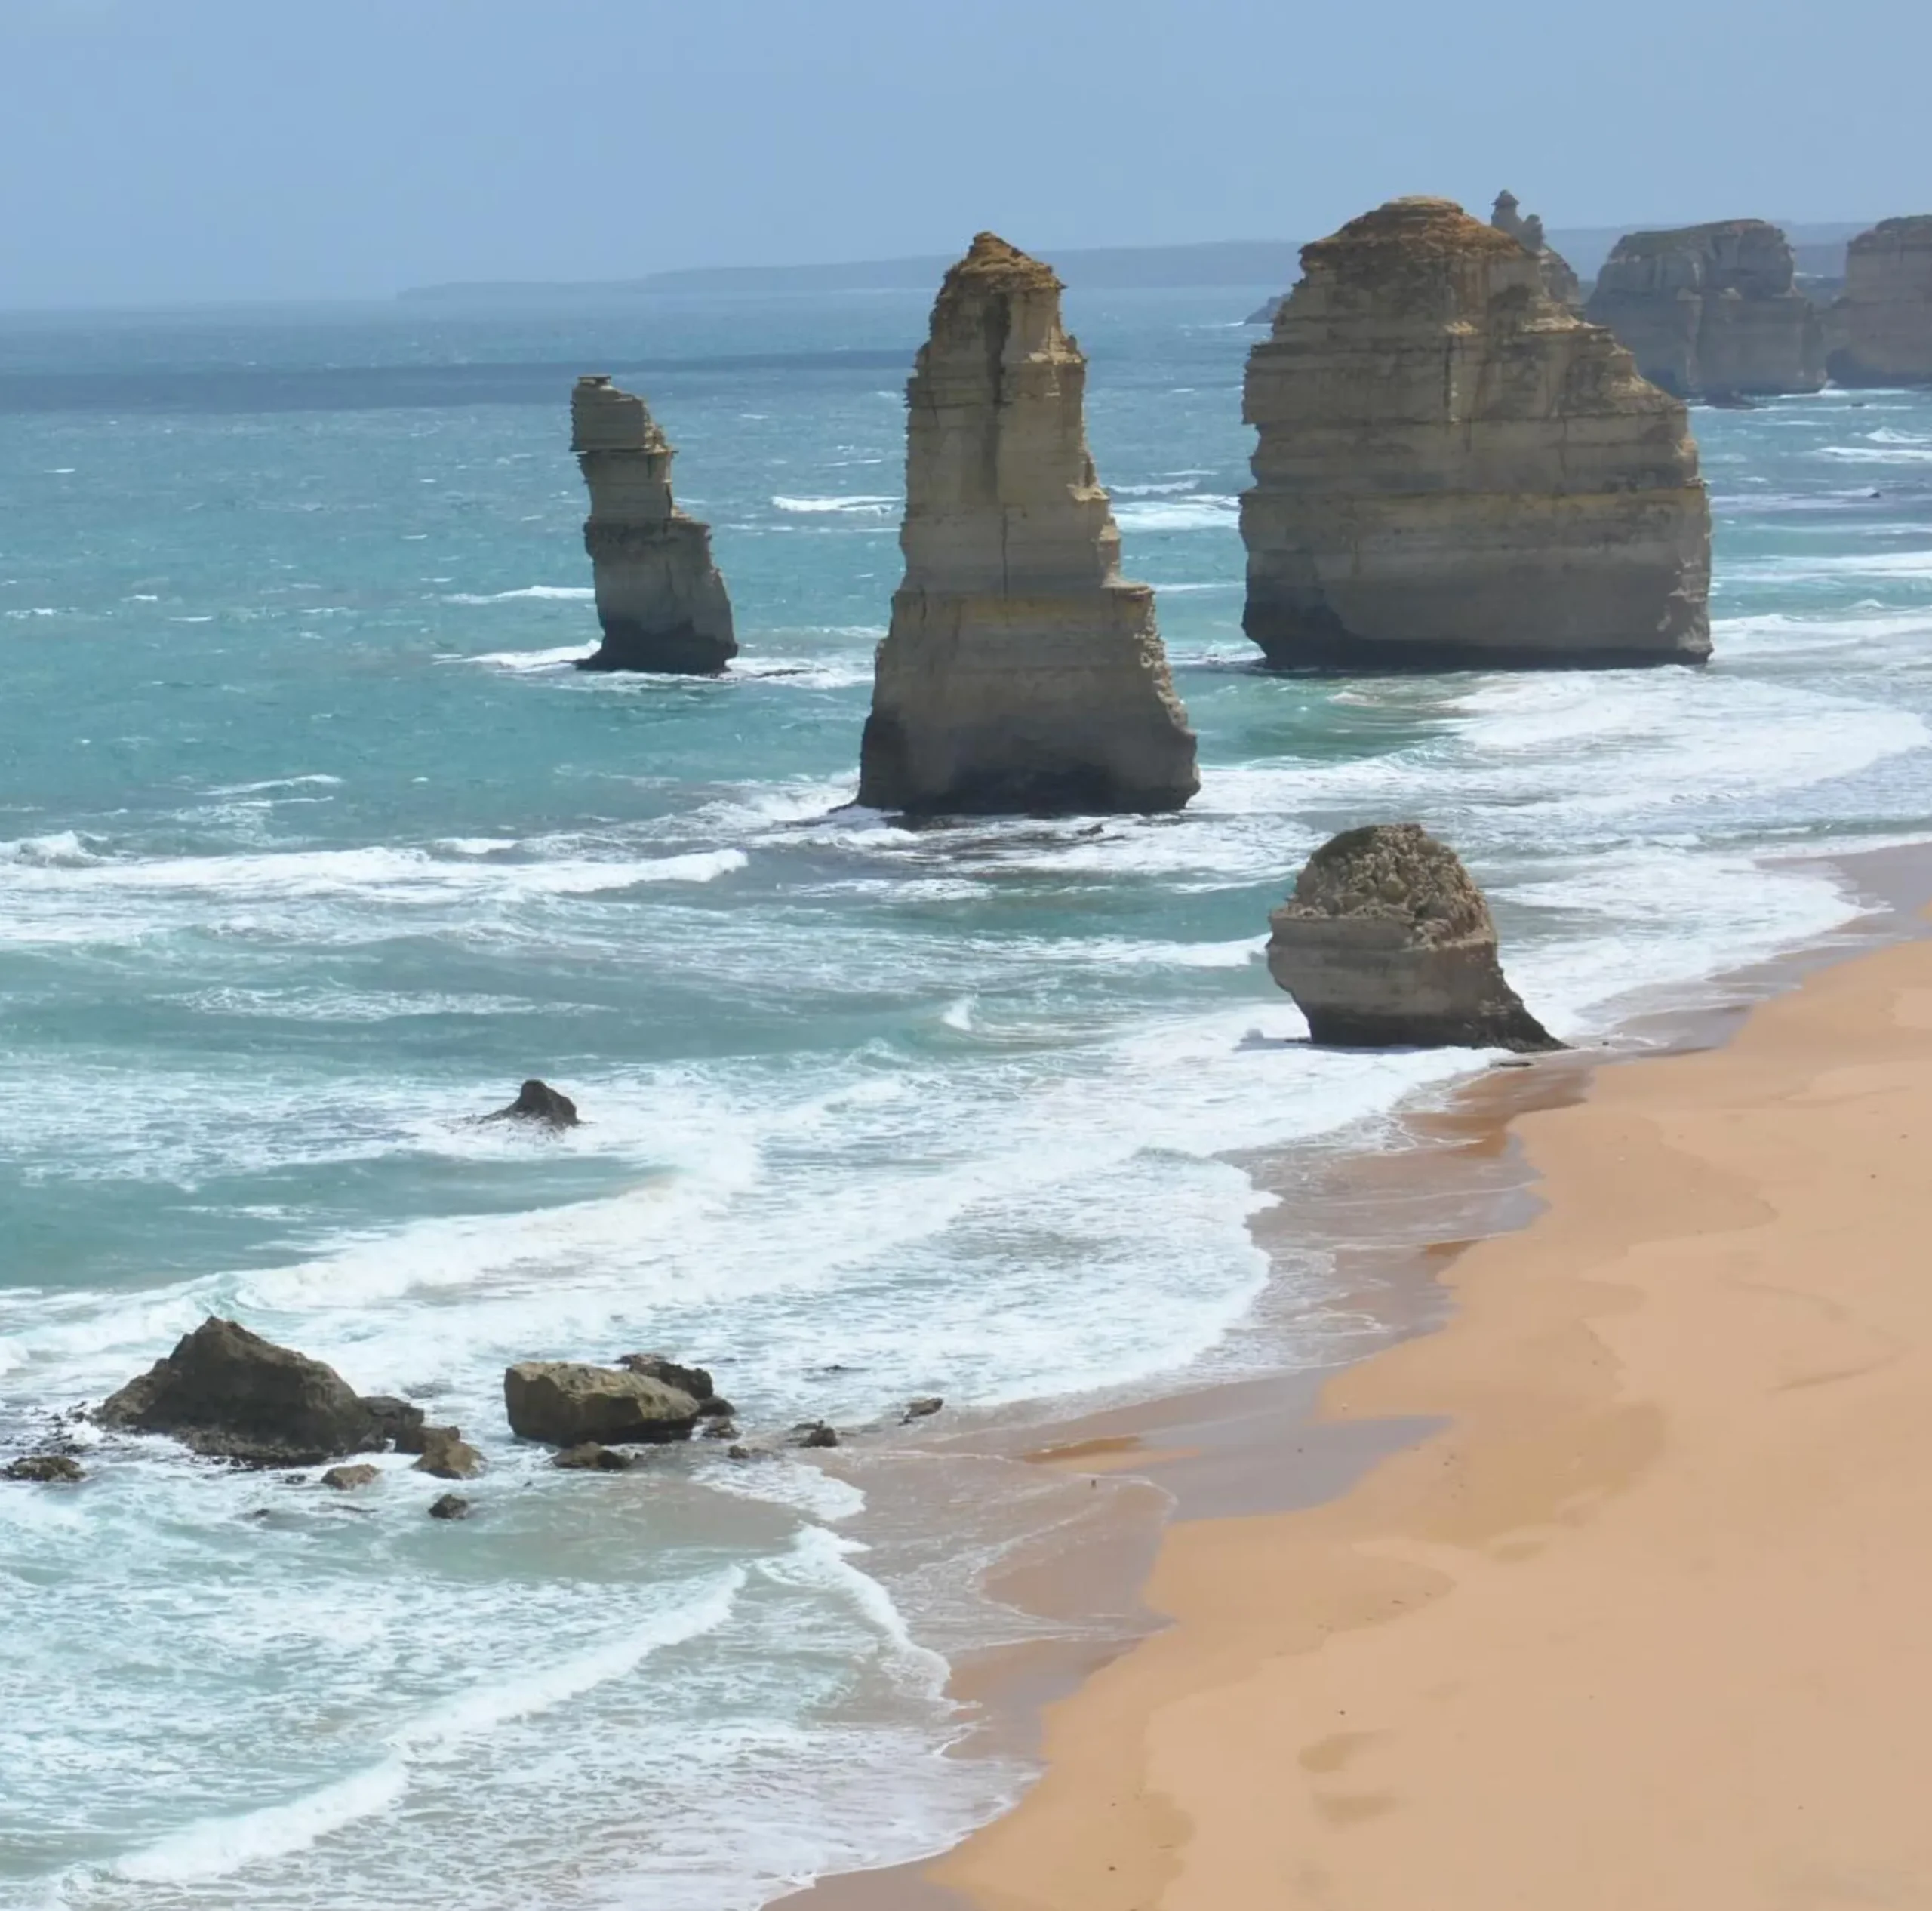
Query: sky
x,y
159,152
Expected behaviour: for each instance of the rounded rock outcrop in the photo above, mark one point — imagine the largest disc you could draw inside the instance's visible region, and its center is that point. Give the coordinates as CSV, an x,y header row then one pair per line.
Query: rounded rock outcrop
x,y
228,1393
567,1404
1387,942
1020,675
1453,469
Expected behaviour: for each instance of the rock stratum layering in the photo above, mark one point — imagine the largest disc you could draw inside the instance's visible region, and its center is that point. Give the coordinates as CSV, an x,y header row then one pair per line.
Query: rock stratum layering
x,y
1881,328
1454,468
1712,311
659,599
1387,942
1020,674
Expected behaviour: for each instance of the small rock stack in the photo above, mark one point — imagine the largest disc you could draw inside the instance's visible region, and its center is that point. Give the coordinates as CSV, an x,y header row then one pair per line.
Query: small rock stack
x,y
1558,281
660,598
1020,674
1387,942
1712,311
1453,468
1881,328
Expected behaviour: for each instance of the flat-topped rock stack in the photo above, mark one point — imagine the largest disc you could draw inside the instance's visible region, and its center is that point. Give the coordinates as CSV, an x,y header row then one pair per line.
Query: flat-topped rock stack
x,y
1882,327
1558,281
1454,468
1020,674
1712,311
659,599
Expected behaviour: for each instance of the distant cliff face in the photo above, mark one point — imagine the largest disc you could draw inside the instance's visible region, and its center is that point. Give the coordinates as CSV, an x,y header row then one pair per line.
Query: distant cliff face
x,y
1712,310
1020,675
660,598
1882,327
1452,467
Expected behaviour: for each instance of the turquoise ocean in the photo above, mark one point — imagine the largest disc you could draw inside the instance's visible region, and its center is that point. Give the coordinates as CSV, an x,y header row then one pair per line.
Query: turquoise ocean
x,y
312,845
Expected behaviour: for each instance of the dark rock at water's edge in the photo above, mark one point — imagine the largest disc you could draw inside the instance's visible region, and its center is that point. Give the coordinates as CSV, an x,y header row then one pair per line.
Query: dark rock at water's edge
x,y
400,1422
447,1455
228,1393
1387,942
660,601
696,1381
566,1403
347,1479
452,1505
537,1101
592,1458
922,1407
814,1433
44,1469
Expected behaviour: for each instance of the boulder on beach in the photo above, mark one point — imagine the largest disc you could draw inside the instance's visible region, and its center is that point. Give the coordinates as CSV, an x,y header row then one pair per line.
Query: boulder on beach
x,y
347,1479
1387,942
228,1393
592,1458
1021,675
565,1403
696,1381
44,1469
398,1421
660,600
537,1101
447,1455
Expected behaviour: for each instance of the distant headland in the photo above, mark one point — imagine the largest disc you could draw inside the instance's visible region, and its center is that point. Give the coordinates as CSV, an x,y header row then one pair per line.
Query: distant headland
x,y
1819,251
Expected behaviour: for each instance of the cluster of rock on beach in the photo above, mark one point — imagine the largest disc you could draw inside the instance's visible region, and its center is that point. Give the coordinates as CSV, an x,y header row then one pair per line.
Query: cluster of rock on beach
x,y
226,1393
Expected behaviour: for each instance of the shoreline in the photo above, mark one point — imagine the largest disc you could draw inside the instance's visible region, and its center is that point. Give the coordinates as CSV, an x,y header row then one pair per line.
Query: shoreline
x,y
1254,1451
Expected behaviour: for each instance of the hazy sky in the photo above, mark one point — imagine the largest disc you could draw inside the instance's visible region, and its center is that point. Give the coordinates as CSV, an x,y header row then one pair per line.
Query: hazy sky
x,y
163,150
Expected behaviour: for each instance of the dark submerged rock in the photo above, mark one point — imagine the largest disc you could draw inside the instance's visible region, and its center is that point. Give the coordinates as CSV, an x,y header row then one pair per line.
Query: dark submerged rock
x,y
447,1455
452,1505
229,1394
592,1458
537,1101
45,1469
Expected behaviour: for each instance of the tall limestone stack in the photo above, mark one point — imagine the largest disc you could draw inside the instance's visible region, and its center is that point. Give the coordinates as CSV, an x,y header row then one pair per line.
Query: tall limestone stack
x,y
1454,468
1882,327
660,598
1020,675
1558,281
1712,311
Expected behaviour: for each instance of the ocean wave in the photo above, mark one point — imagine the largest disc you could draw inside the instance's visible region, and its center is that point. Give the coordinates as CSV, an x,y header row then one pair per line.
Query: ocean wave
x,y
857,505
557,657
559,593
1207,512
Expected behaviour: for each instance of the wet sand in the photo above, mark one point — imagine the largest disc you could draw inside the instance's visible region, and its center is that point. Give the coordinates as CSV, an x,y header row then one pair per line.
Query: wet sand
x,y
1450,1626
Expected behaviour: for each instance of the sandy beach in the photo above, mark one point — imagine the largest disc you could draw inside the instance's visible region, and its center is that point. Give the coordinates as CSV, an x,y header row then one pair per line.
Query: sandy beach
x,y
1639,1624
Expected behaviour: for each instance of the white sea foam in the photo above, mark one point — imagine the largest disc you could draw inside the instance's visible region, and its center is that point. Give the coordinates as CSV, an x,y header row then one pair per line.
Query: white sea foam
x,y
317,781
557,657
1207,512
859,506
559,593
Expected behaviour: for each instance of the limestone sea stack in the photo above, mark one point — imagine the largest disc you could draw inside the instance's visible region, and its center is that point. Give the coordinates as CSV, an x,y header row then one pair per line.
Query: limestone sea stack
x,y
1712,311
1882,327
1020,675
660,598
1558,281
1387,942
1453,468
